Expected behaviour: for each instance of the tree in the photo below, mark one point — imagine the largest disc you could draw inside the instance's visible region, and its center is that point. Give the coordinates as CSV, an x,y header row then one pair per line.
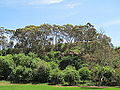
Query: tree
x,y
71,75
56,76
53,56
85,73
41,73
21,74
6,66
24,66
102,75
2,38
103,56
41,52
29,60
53,65
5,38
97,74
117,76
71,60
109,73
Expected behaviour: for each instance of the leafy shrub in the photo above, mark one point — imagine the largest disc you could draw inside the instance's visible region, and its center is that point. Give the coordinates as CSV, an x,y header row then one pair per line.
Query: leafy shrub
x,y
56,76
6,66
22,74
71,75
84,73
41,73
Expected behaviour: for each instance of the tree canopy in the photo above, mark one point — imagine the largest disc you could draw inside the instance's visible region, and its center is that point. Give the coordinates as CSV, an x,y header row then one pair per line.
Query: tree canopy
x,y
59,54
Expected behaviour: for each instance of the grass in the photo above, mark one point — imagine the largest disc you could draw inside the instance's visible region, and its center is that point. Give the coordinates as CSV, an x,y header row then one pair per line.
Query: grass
x,y
4,85
46,87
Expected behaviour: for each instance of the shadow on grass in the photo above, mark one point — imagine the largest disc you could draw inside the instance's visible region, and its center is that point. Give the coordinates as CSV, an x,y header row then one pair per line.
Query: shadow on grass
x,y
20,82
39,83
52,84
90,88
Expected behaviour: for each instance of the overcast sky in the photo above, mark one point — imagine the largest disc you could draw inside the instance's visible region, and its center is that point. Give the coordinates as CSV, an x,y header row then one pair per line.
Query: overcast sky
x,y
103,14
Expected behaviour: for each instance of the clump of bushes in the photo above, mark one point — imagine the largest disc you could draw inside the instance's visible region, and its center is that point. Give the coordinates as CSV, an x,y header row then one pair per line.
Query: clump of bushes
x,y
30,68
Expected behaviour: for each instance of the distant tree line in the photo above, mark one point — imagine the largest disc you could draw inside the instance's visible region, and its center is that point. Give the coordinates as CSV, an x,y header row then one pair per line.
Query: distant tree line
x,y
67,54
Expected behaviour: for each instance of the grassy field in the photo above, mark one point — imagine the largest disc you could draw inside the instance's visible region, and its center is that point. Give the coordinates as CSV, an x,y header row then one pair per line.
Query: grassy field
x,y
4,85
46,87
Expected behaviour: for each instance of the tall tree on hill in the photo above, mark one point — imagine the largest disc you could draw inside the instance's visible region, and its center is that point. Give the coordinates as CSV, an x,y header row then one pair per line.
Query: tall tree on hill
x,y
2,37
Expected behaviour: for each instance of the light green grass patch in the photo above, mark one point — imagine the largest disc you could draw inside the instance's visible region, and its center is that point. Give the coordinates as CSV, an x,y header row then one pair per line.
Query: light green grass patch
x,y
46,87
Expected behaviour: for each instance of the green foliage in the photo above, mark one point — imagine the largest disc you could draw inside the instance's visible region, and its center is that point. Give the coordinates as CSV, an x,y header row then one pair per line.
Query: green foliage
x,y
6,66
33,55
56,76
108,72
53,56
117,75
103,75
71,75
29,61
21,74
85,73
71,60
55,53
53,65
24,65
96,72
41,73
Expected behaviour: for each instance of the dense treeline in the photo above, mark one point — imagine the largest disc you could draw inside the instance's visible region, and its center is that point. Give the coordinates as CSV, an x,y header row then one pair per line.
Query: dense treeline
x,y
68,55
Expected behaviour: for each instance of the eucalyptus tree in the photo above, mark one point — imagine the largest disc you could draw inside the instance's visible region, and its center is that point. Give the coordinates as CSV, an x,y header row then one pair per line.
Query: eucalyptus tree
x,y
5,39
67,33
2,38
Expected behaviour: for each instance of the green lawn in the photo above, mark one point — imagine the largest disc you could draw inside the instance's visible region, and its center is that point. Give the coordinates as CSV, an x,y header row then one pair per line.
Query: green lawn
x,y
46,87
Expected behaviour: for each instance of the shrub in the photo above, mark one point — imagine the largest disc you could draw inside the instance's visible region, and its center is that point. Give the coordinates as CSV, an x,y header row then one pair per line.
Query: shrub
x,y
71,75
6,66
84,73
41,73
22,74
56,76
117,75
53,65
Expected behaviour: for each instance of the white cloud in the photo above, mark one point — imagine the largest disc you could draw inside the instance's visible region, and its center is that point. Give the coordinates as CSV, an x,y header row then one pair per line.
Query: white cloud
x,y
114,22
37,2
72,5
28,2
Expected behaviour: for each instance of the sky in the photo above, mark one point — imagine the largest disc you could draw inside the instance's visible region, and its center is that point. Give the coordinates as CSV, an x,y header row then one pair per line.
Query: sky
x,y
103,14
